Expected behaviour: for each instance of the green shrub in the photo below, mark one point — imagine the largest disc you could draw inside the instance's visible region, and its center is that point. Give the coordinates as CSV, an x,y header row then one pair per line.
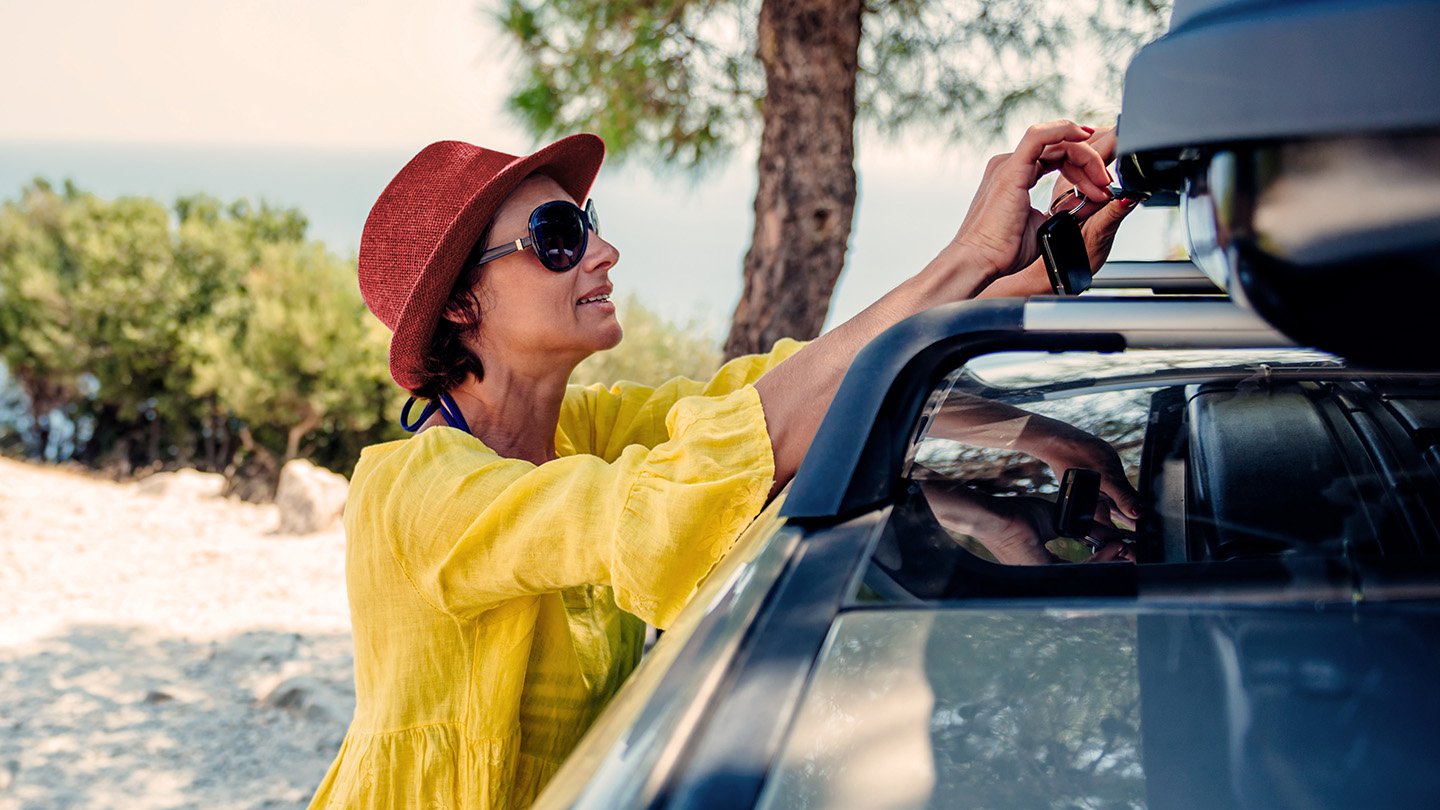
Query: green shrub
x,y
216,335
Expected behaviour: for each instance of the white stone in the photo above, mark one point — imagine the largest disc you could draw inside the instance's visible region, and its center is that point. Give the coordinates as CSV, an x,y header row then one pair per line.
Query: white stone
x,y
184,484
310,498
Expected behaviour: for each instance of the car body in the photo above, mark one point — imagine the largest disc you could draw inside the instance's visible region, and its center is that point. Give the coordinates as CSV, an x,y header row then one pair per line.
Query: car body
x,y
1273,647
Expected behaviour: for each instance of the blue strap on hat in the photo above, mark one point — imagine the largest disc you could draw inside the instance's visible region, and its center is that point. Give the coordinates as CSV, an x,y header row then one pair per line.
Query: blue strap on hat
x,y
449,411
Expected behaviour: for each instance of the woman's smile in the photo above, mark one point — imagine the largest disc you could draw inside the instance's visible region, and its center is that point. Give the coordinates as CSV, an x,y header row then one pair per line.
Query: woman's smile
x,y
598,298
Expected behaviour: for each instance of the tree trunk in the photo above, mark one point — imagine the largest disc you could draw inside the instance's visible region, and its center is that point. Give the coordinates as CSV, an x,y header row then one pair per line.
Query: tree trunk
x,y
292,440
45,397
152,447
104,435
805,201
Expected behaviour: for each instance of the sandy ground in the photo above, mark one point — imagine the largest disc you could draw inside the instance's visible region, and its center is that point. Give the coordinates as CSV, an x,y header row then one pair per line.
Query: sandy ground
x,y
140,636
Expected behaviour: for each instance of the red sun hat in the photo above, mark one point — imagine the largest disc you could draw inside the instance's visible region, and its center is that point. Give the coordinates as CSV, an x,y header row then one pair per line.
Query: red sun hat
x,y
426,221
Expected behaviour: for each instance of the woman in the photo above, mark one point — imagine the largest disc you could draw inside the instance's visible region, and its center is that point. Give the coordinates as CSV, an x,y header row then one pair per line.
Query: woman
x,y
501,564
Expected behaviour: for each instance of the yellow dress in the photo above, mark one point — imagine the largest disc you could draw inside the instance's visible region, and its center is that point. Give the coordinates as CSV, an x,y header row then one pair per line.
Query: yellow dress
x,y
494,602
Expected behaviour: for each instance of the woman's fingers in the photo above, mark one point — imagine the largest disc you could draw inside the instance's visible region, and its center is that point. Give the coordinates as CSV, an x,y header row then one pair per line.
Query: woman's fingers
x,y
1099,229
1117,488
1106,218
1113,552
998,229
1039,137
1103,142
1082,166
1104,516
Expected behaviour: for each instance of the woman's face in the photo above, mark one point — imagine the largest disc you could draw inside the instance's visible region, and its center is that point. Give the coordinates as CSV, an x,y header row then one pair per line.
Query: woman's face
x,y
534,315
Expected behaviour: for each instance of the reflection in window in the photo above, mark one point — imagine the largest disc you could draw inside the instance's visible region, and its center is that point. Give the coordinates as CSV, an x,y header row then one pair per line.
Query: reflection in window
x,y
968,709
1215,455
991,471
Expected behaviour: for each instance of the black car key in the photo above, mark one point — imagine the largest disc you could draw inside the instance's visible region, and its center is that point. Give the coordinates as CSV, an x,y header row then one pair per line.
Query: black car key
x,y
1075,508
1063,248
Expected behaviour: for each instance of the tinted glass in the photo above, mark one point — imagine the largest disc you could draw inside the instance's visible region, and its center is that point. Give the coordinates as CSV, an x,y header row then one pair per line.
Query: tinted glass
x,y
560,235
593,215
1084,708
1204,456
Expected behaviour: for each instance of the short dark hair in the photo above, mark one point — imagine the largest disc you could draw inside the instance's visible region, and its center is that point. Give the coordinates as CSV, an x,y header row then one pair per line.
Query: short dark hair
x,y
448,361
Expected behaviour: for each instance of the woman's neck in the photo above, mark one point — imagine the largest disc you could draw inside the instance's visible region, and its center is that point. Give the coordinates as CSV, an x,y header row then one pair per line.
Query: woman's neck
x,y
514,414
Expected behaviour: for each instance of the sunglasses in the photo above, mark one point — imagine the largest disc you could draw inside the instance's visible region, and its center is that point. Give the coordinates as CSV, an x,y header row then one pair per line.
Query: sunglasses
x,y
559,233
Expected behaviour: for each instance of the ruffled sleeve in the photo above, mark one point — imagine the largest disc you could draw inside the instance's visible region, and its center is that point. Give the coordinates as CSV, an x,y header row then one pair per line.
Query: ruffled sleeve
x,y
471,529
605,421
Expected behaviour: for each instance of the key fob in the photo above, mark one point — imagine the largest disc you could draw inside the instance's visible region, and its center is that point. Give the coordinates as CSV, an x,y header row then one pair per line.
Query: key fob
x,y
1075,508
1063,249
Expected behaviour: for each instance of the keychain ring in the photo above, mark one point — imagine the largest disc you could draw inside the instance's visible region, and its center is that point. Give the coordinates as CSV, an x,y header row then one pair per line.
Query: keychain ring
x,y
1069,193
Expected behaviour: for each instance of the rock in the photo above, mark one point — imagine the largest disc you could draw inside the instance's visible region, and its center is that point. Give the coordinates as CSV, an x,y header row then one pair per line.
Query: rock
x,y
310,498
311,698
184,484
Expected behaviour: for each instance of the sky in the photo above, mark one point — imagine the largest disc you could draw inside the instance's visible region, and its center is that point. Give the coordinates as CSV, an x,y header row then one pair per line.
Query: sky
x,y
373,81
332,73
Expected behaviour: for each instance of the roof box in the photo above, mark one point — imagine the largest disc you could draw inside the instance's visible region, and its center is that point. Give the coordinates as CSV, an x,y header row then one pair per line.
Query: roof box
x,y
1260,70
1303,140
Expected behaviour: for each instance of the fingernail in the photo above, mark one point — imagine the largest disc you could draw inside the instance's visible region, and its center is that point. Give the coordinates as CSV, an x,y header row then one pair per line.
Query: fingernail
x,y
1090,130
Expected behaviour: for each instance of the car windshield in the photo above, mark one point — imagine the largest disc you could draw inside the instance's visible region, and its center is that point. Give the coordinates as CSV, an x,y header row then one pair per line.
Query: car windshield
x,y
1175,457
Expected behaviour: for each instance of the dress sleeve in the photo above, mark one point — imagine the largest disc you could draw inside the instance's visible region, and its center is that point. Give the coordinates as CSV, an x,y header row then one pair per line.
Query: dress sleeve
x,y
605,421
471,529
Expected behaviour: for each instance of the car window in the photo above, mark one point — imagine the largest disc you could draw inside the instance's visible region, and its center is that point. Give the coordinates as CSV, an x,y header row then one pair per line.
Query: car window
x,y
1002,705
917,709
1177,456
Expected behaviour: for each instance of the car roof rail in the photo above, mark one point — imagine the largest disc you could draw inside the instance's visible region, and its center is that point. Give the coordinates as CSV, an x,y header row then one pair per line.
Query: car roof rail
x,y
1176,277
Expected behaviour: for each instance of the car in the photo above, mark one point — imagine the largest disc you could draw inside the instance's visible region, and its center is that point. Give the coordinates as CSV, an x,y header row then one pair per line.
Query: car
x,y
1276,639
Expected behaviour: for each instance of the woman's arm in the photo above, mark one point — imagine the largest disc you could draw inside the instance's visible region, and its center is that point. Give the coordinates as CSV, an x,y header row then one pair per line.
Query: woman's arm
x,y
996,239
604,420
1013,530
470,529
981,422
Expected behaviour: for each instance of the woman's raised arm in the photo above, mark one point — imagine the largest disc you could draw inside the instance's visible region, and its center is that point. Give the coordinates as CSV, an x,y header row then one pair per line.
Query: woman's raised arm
x,y
996,239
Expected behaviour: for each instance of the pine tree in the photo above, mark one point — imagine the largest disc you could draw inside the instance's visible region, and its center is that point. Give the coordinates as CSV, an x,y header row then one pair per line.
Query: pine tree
x,y
688,79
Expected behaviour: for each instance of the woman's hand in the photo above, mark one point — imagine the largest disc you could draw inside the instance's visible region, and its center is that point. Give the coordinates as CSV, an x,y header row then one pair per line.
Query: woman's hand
x,y
981,422
999,229
1068,447
1098,220
996,238
1013,530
